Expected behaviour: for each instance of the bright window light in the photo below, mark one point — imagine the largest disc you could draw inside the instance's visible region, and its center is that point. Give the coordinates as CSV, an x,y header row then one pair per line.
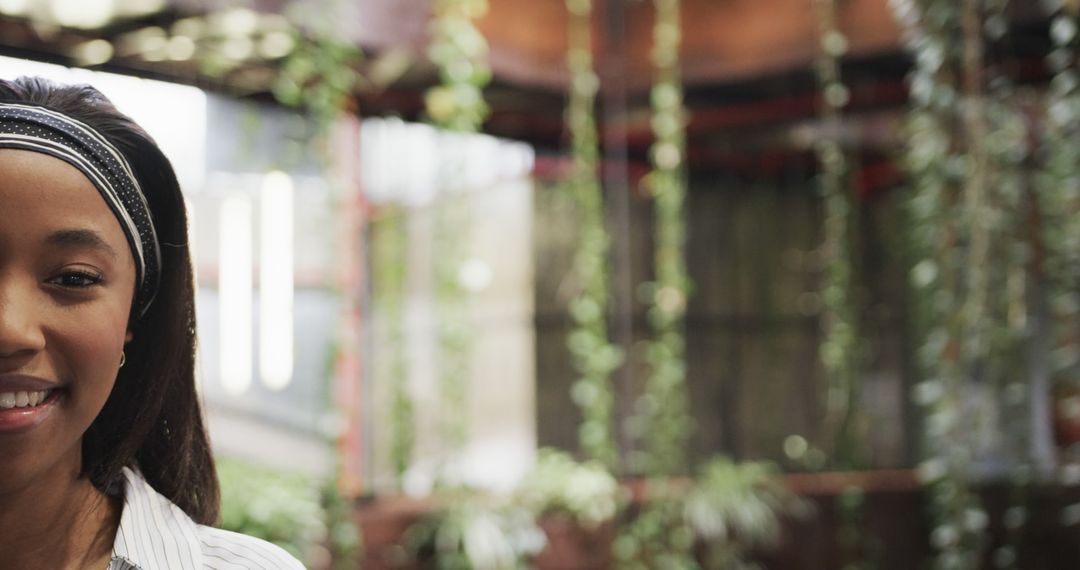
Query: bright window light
x,y
276,281
14,7
132,8
234,293
86,14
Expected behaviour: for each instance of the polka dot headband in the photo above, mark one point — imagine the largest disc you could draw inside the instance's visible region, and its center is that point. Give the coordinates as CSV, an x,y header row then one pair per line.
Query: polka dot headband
x,y
34,128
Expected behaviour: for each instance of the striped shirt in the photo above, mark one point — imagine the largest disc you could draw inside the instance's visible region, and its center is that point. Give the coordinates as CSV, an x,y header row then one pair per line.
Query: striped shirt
x,y
155,534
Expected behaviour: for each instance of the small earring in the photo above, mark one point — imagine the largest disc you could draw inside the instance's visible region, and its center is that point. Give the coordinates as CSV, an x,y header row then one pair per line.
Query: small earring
x,y
123,358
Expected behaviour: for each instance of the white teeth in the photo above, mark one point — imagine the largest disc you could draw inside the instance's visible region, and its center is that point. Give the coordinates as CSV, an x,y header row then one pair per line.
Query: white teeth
x,y
24,399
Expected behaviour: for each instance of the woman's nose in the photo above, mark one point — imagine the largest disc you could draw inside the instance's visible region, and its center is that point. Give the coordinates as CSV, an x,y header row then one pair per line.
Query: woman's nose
x,y
20,326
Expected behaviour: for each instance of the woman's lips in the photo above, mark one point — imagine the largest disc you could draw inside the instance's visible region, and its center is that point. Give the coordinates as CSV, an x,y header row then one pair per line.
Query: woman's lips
x,y
25,402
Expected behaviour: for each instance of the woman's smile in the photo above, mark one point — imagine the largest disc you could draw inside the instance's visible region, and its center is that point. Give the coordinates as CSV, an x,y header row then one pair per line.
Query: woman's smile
x,y
26,401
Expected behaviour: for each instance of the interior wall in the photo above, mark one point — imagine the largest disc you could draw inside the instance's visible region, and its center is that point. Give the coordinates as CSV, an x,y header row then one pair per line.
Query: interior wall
x,y
752,324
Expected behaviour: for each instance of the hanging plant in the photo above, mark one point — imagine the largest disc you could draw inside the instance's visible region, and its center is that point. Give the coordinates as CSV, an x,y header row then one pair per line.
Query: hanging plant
x,y
1059,207
966,160
839,352
452,303
457,104
595,357
319,75
938,166
460,51
1002,253
389,243
660,536
664,404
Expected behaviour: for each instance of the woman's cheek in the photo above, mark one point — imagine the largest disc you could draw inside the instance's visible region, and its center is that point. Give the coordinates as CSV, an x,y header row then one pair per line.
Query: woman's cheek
x,y
92,348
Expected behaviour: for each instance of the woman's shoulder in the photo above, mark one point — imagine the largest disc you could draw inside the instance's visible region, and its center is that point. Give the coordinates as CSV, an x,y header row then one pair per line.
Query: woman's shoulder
x,y
227,549
156,534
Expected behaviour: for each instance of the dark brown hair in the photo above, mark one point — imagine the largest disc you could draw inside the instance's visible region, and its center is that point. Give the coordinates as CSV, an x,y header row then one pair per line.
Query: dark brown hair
x,y
152,418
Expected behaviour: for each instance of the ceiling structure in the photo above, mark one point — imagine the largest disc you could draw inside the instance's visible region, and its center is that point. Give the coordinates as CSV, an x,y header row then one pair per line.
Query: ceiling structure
x,y
746,63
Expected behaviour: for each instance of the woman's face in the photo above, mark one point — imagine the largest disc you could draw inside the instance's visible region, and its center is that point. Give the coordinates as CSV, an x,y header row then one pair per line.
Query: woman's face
x,y
67,279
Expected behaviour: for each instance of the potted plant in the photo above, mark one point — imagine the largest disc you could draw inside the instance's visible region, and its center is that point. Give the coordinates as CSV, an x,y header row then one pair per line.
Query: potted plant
x,y
474,531
735,509
575,503
717,520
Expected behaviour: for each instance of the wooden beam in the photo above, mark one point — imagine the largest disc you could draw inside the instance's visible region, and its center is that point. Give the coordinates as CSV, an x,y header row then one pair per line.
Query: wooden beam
x,y
528,41
723,41
735,39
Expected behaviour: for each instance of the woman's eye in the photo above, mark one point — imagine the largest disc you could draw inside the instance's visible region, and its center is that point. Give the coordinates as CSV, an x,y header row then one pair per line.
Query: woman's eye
x,y
76,279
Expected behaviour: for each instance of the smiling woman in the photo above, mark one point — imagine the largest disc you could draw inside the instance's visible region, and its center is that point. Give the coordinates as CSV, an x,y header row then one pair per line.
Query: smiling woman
x,y
106,462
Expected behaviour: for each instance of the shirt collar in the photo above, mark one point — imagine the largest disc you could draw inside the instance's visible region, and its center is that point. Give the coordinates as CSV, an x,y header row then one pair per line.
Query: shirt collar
x,y
153,532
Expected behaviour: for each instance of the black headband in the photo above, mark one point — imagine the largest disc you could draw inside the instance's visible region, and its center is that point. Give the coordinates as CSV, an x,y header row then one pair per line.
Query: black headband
x,y
37,129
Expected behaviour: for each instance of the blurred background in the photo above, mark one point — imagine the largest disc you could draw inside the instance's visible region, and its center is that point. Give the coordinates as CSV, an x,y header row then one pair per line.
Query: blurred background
x,y
672,284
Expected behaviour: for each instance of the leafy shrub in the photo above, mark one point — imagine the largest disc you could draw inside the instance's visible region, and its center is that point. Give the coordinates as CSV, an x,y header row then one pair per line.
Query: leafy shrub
x,y
279,507
583,491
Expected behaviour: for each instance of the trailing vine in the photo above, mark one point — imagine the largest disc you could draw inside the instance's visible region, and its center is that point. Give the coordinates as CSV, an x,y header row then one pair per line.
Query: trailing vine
x,y
1004,218
388,241
595,357
664,403
452,229
839,350
660,536
1059,201
460,51
938,165
967,159
1059,207
457,104
320,74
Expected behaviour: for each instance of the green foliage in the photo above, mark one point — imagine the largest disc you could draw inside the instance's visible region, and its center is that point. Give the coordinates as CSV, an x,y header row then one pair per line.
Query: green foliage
x,y
735,507
840,350
740,500
1058,192
473,533
585,492
729,509
1059,199
595,357
858,549
320,75
308,65
283,508
455,347
664,407
659,535
460,51
968,210
937,166
343,533
388,260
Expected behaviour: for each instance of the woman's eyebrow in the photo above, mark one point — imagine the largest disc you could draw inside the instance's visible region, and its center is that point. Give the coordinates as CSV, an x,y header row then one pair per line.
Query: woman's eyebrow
x,y
81,238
